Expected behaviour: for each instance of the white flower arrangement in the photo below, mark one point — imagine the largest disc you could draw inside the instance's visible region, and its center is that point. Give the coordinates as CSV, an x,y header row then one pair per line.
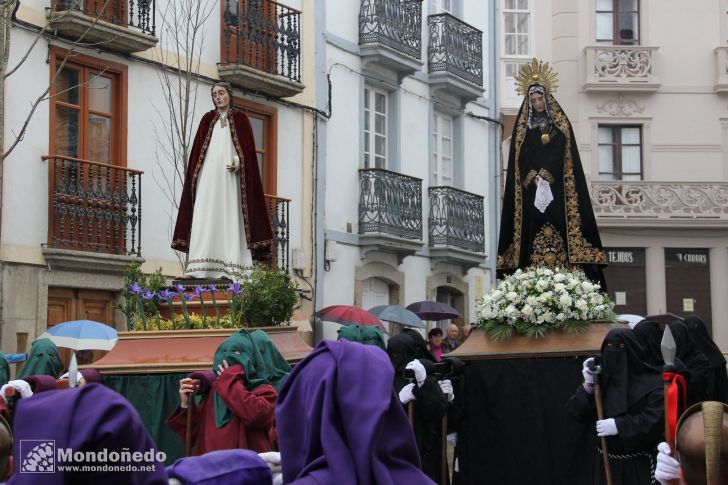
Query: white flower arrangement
x,y
541,299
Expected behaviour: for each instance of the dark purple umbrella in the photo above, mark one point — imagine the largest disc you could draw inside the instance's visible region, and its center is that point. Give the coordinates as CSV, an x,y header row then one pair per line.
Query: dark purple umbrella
x,y
433,310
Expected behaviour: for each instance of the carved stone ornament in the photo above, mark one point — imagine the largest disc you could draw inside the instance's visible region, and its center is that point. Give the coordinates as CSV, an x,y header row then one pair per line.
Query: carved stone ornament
x,y
620,107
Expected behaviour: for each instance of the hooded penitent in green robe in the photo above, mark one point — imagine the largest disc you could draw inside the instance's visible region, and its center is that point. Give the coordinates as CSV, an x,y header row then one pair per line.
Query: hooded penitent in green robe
x,y
4,370
275,365
43,359
364,334
238,349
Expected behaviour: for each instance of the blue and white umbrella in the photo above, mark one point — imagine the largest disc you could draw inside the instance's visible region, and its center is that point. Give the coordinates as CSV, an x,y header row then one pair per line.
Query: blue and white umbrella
x,y
82,335
397,314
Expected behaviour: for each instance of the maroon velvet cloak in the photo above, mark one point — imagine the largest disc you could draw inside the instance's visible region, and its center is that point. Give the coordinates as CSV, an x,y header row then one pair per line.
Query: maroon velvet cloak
x,y
258,229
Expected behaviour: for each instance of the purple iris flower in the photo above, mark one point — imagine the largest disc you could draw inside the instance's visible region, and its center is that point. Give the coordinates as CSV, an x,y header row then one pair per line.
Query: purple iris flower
x,y
179,288
135,289
199,290
235,288
212,289
187,296
148,294
167,294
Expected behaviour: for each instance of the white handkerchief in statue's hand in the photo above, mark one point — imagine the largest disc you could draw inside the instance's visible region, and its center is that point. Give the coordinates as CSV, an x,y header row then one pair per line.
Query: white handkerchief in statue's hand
x,y
543,195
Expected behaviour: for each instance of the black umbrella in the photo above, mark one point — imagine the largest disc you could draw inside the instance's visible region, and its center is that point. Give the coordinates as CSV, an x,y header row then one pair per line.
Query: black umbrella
x,y
433,310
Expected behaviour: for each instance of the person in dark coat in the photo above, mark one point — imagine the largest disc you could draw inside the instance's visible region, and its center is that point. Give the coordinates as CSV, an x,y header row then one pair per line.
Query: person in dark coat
x,y
716,362
698,374
340,422
407,350
632,397
650,337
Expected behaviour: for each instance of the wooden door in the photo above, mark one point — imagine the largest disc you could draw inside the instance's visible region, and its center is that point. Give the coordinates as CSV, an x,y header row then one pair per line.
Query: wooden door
x,y
67,304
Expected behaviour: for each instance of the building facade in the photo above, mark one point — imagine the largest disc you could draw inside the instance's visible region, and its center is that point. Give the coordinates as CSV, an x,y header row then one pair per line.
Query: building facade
x,y
94,183
405,184
648,108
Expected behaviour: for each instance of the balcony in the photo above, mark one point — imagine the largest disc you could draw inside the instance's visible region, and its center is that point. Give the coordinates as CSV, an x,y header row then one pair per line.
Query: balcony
x,y
455,57
278,212
621,68
261,47
390,213
721,66
660,204
390,35
95,215
119,25
456,227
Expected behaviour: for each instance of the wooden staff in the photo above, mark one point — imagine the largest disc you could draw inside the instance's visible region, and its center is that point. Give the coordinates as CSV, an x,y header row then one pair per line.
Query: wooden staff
x,y
600,416
411,413
188,424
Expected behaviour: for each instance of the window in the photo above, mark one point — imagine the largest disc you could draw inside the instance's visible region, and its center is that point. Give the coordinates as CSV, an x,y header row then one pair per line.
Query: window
x,y
516,17
264,121
443,6
375,128
442,155
618,22
88,109
620,152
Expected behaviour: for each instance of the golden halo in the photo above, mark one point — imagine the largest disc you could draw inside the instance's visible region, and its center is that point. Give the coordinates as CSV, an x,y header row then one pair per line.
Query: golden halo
x,y
536,72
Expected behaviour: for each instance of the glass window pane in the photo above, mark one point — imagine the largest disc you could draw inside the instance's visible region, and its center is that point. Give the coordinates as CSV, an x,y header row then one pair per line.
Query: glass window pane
x,y
627,5
523,44
380,103
67,86
99,139
366,144
522,23
606,162
607,176
447,127
630,136
631,159
380,147
605,27
99,93
510,47
523,4
510,4
604,5
66,136
380,162
605,135
261,167
446,147
628,29
380,125
510,23
367,93
631,177
367,121
258,127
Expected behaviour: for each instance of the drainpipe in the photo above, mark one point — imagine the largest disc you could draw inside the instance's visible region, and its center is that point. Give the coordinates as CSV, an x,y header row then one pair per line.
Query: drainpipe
x,y
495,141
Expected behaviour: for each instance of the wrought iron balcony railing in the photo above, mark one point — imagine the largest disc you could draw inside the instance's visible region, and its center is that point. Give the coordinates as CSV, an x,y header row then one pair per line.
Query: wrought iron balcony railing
x,y
621,67
394,23
390,203
264,35
94,207
455,47
665,202
457,218
278,212
138,14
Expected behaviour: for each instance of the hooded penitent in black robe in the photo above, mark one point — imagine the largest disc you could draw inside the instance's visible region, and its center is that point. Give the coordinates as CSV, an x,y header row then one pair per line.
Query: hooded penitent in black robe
x,y
698,374
632,394
719,389
650,337
430,404
565,234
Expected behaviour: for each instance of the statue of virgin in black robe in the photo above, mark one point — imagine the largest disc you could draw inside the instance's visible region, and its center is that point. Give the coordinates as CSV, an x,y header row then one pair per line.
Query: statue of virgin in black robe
x,y
564,232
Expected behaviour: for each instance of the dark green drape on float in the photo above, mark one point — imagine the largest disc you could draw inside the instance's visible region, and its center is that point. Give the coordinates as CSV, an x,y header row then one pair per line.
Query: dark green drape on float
x,y
154,396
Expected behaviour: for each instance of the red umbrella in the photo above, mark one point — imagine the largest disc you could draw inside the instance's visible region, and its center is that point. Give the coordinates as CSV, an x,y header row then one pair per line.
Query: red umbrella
x,y
348,315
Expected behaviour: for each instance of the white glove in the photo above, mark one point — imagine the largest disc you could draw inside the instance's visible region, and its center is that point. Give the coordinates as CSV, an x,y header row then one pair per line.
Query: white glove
x,y
543,195
452,438
607,427
271,457
19,385
420,372
668,468
587,372
446,387
406,395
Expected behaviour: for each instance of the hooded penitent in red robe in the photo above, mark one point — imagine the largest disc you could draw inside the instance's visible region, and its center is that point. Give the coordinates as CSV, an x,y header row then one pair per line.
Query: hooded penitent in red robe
x,y
258,230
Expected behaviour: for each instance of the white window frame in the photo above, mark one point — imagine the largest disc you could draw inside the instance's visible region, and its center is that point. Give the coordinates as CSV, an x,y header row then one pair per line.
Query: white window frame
x,y
438,7
370,135
529,34
438,157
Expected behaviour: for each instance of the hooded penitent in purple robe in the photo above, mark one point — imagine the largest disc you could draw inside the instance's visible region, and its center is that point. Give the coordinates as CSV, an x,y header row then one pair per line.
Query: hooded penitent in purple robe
x,y
85,419
339,420
223,467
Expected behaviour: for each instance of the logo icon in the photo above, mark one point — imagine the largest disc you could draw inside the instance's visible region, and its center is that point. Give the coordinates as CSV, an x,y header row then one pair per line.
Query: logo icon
x,y
38,456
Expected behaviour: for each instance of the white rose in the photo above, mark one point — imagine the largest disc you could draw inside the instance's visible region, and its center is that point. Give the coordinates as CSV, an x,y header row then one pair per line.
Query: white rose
x,y
565,299
558,277
559,287
587,286
581,305
512,295
527,310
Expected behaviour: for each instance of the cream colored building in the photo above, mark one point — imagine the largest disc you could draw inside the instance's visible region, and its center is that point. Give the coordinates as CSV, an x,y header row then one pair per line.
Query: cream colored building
x,y
645,85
